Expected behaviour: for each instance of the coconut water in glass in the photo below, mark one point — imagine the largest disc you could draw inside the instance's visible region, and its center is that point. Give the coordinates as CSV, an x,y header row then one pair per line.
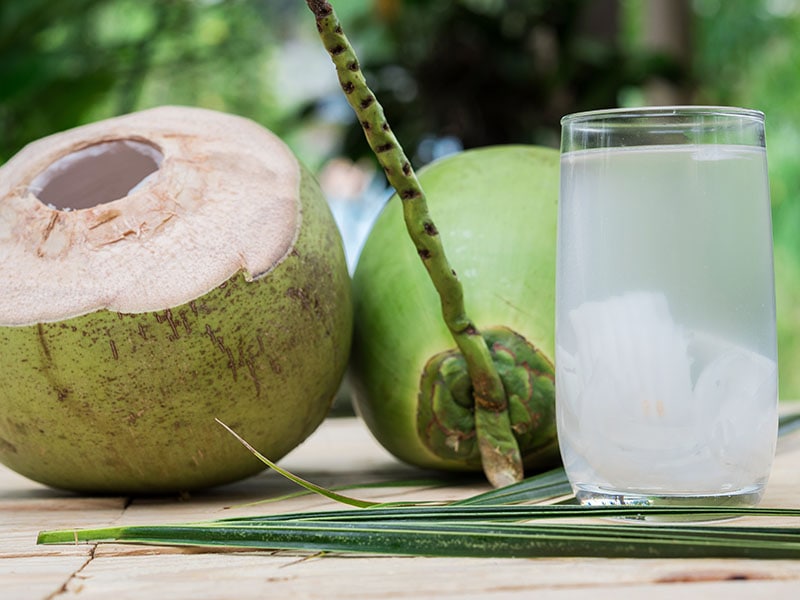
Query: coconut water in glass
x,y
666,352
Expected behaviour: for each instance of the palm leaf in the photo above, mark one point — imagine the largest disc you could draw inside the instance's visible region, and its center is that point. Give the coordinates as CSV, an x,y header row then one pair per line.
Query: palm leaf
x,y
492,524
788,423
544,486
311,487
477,531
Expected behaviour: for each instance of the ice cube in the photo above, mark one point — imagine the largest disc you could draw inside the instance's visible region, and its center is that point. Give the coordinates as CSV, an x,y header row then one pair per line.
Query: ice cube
x,y
737,395
634,341
629,383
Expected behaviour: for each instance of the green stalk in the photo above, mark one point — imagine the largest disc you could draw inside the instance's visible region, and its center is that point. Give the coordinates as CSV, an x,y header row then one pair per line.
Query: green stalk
x,y
500,454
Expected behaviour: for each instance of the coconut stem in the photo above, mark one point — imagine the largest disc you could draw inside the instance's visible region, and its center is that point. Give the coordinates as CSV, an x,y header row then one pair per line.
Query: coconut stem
x,y
499,450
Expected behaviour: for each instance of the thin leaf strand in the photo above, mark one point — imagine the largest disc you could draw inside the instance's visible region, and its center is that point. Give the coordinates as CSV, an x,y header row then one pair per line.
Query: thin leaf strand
x,y
312,487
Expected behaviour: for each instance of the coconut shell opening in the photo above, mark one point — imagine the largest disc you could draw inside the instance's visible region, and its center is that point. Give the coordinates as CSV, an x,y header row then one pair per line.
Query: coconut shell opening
x,y
96,174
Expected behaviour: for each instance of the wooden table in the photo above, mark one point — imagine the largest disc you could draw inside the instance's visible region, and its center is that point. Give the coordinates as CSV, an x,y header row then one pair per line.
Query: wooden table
x,y
340,452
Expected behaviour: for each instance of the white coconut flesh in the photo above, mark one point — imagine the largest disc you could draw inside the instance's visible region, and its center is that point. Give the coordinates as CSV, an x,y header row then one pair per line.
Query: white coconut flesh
x,y
141,213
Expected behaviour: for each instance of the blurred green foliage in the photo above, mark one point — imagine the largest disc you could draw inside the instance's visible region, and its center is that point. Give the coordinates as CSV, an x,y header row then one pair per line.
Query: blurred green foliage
x,y
495,71
475,71
748,54
69,62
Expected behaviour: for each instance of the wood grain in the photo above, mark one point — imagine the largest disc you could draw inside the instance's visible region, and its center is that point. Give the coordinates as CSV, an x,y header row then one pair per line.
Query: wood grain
x,y
120,572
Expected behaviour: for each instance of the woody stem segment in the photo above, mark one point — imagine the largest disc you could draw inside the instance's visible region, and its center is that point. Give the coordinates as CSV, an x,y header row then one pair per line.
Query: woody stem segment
x,y
499,450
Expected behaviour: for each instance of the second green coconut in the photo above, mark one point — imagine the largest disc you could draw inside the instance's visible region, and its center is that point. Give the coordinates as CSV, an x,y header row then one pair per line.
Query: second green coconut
x,y
496,211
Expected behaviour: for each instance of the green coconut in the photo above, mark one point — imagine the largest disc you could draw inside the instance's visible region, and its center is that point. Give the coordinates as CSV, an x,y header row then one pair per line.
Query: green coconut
x,y
162,270
496,212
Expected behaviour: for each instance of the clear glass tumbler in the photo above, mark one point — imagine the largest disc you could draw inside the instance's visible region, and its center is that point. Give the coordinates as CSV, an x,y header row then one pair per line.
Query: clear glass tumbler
x,y
666,352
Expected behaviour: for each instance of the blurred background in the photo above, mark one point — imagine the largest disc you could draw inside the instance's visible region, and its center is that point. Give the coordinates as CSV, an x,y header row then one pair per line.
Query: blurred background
x,y
451,74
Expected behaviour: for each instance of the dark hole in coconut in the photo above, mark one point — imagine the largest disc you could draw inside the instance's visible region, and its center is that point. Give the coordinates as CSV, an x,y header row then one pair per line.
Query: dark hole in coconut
x,y
96,174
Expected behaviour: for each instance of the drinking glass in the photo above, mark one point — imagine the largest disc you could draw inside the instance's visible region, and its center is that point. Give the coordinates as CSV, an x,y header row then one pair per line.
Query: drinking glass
x,y
666,352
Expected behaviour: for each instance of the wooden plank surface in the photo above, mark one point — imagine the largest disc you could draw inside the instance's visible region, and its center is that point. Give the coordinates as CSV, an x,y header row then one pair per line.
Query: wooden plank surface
x,y
340,452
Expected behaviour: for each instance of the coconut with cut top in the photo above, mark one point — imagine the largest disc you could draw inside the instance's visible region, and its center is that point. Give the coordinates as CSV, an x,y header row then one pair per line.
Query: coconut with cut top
x,y
162,270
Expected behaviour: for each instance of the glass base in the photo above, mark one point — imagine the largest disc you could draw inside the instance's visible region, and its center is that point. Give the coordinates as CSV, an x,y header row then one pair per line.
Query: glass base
x,y
748,497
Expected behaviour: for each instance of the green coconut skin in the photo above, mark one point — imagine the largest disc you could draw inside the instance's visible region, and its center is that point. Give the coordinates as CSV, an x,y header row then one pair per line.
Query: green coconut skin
x,y
496,211
126,403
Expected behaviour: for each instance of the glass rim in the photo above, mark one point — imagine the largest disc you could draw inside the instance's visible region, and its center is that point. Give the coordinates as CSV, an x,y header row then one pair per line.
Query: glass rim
x,y
655,112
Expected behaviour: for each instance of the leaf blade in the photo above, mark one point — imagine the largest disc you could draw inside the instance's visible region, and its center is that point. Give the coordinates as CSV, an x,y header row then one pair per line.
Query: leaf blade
x,y
473,540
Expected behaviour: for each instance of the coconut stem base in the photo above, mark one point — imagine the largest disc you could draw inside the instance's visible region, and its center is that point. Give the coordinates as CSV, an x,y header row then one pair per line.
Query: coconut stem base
x,y
447,422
